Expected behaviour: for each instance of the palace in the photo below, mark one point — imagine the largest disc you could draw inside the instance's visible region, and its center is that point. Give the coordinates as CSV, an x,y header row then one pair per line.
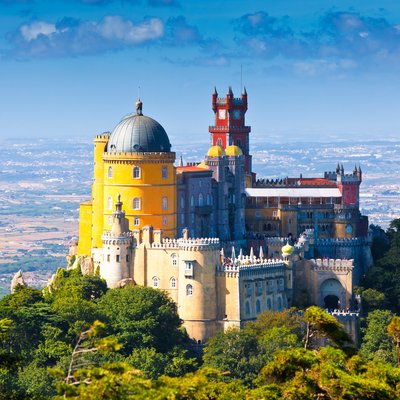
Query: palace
x,y
225,245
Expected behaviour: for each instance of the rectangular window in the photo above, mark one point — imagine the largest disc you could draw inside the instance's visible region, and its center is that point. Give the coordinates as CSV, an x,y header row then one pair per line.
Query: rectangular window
x,y
165,203
117,257
136,221
164,172
165,221
274,213
108,257
127,258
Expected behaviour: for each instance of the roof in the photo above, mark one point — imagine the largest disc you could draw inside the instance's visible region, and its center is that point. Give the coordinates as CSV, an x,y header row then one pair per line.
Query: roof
x,y
216,151
233,150
316,182
293,192
138,133
190,168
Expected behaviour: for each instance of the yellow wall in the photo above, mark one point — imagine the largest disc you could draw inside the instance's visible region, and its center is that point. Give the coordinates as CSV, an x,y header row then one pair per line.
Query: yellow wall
x,y
85,228
100,143
151,187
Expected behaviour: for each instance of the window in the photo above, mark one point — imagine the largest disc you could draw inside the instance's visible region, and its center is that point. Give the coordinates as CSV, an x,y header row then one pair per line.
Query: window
x,y
248,310
108,258
110,172
136,172
219,142
188,269
136,221
117,258
208,200
182,201
279,307
127,258
110,203
164,221
189,290
164,172
259,288
155,282
258,307
173,283
239,142
249,289
109,220
136,203
192,201
201,201
165,203
274,213
269,305
174,260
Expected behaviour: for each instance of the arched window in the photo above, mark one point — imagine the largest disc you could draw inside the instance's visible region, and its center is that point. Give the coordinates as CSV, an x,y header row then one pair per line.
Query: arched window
x,y
174,260
110,203
189,290
136,172
248,310
239,142
269,304
201,201
258,307
182,201
192,201
279,306
156,281
164,172
136,221
136,203
164,220
165,203
208,200
110,172
219,142
173,283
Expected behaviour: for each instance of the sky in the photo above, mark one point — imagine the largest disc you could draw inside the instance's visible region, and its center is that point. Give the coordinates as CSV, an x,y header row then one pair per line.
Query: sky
x,y
313,70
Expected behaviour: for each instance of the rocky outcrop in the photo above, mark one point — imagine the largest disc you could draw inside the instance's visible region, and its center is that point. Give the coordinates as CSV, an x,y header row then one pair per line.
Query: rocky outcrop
x,y
17,280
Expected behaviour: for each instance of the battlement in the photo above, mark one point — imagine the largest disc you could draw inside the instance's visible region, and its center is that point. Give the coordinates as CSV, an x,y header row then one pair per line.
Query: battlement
x,y
340,242
248,265
103,136
146,157
188,244
344,313
333,264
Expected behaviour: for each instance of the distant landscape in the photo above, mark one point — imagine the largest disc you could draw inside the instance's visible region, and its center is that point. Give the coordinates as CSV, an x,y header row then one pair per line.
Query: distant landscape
x,y
43,181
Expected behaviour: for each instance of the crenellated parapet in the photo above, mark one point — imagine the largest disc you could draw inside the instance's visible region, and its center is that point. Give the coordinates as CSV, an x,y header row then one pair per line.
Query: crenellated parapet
x,y
189,244
138,157
331,264
249,267
345,242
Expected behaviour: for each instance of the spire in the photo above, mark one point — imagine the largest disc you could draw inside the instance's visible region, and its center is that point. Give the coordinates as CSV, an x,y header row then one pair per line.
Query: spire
x,y
230,91
181,161
359,169
338,168
240,254
244,93
233,256
251,253
261,256
118,204
342,169
139,105
355,169
215,93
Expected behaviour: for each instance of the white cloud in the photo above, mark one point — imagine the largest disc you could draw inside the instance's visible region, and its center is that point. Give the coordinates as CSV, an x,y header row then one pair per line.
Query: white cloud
x,y
33,30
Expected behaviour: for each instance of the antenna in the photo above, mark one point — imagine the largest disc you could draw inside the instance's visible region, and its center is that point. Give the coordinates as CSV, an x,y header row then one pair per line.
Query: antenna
x,y
138,90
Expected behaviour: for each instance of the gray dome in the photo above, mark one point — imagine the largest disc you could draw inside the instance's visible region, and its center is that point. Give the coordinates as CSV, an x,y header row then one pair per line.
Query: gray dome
x,y
138,133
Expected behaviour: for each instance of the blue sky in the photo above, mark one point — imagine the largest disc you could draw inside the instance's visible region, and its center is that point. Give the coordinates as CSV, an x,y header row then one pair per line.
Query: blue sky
x,y
312,69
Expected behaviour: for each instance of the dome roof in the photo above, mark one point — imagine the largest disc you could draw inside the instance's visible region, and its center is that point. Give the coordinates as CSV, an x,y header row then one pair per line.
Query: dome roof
x,y
216,151
233,150
202,165
138,133
287,249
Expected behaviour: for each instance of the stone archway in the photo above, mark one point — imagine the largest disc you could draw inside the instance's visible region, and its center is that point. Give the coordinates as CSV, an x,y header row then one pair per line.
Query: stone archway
x,y
332,294
331,302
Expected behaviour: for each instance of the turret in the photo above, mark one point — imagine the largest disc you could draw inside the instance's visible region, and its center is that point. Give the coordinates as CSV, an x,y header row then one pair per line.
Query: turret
x,y
117,245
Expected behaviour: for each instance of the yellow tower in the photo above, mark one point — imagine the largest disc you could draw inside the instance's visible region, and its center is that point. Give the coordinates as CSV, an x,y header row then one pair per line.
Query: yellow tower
x,y
134,162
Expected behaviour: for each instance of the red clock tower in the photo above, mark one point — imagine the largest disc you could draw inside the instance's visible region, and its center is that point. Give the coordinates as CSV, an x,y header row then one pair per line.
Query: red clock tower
x,y
229,125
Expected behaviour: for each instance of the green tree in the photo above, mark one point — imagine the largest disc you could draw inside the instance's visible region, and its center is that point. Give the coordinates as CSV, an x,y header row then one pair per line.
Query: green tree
x,y
141,317
376,343
321,324
394,331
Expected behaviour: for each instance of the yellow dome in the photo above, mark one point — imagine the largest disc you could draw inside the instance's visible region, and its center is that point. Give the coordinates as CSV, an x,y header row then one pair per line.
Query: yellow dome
x,y
216,151
202,165
287,249
233,151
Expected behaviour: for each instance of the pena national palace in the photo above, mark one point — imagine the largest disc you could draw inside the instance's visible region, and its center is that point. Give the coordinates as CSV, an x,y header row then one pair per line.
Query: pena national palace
x,y
225,244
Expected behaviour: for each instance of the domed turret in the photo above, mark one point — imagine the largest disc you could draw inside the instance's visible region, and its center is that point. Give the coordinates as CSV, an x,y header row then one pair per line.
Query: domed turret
x,y
233,151
287,249
138,133
216,151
